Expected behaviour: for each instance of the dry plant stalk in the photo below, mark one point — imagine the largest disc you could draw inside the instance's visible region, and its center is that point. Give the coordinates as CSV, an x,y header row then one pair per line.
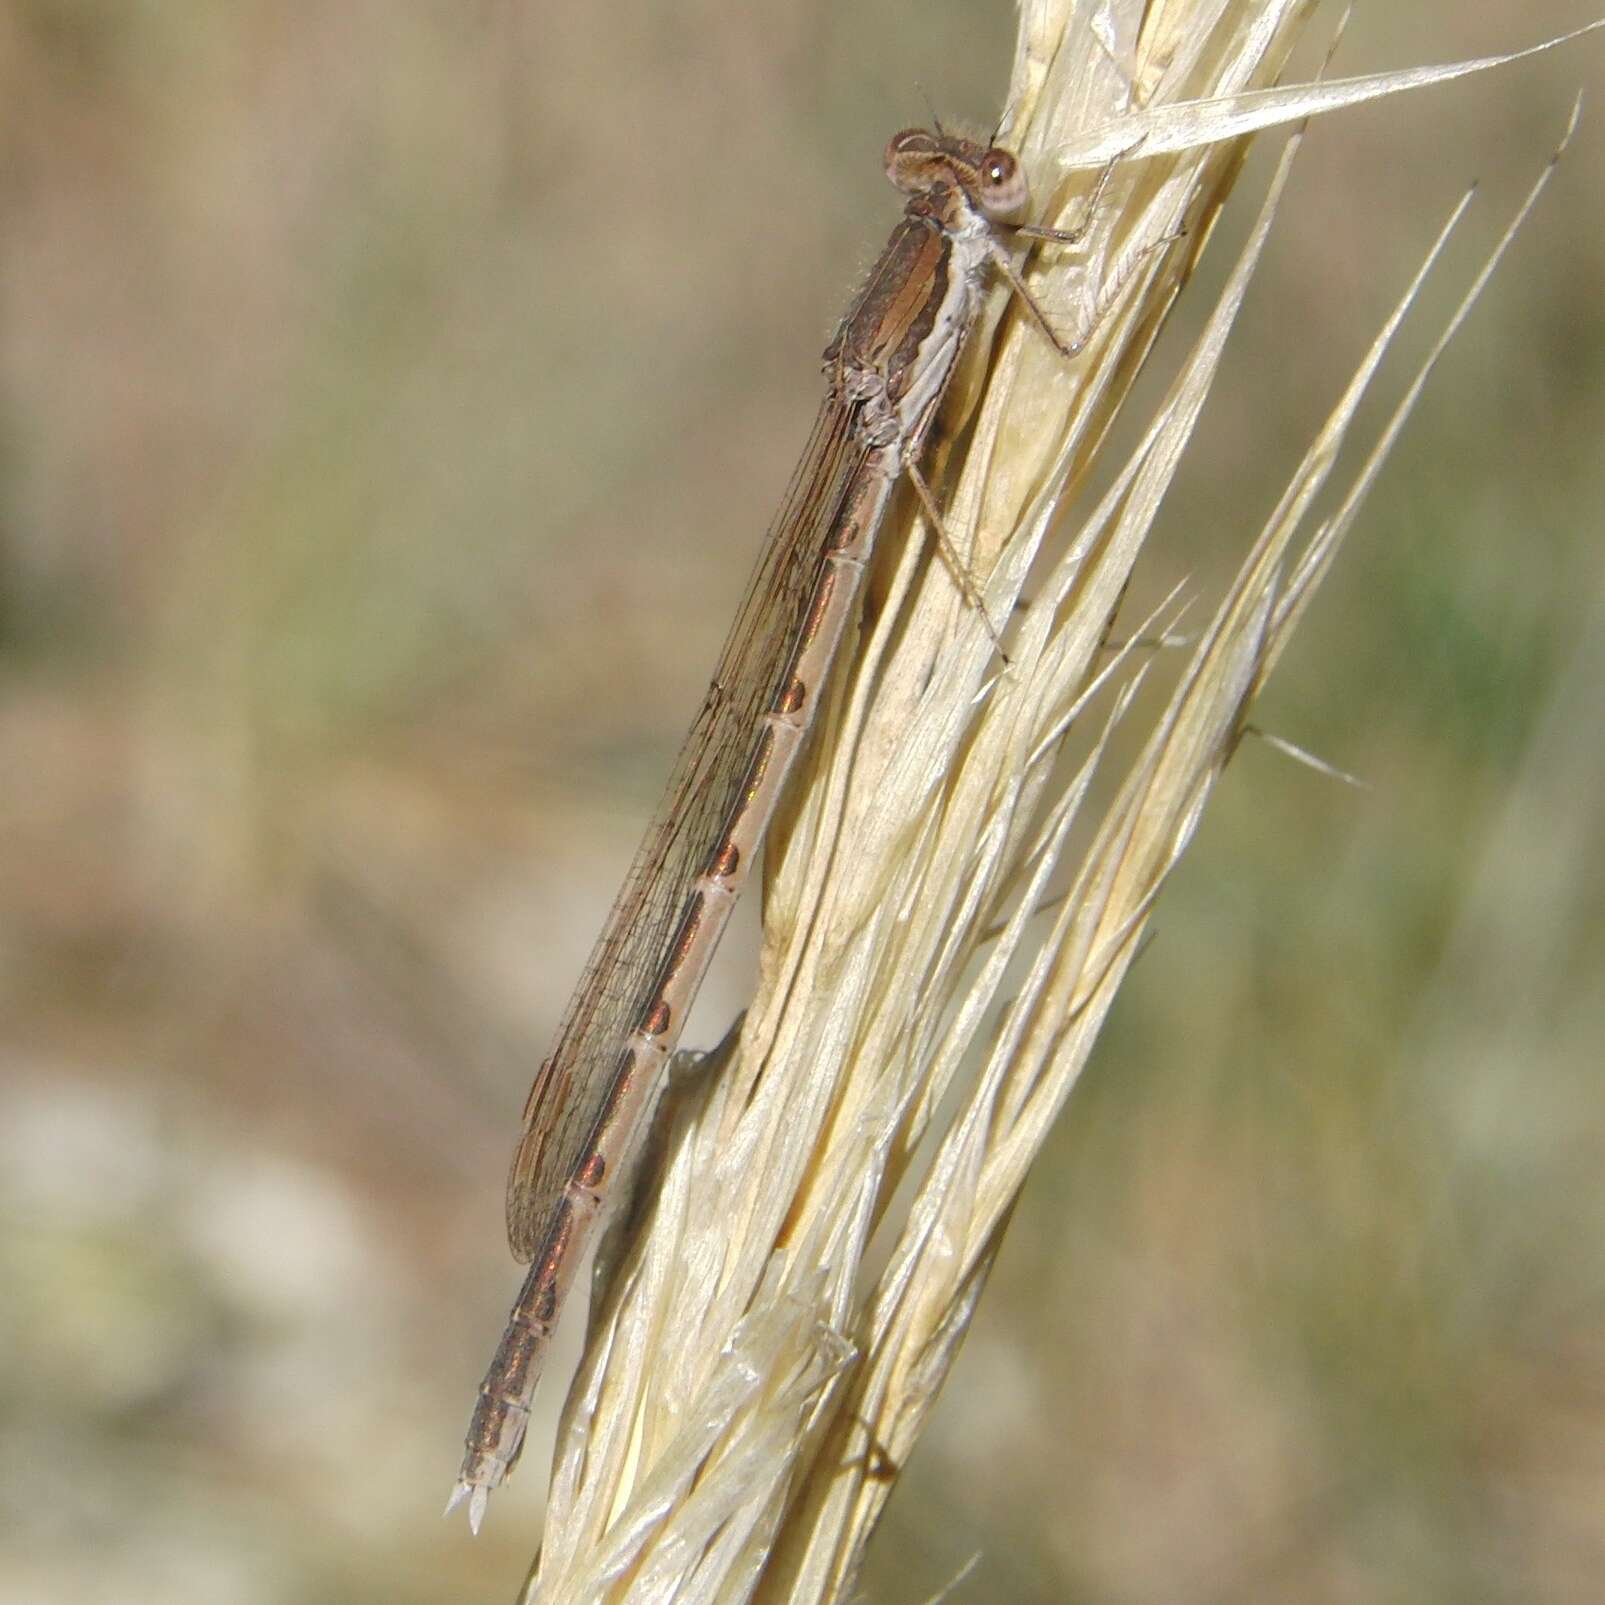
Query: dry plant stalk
x,y
926,1001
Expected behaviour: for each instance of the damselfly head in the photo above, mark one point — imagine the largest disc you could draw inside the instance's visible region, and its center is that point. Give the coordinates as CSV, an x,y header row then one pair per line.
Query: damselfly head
x,y
919,162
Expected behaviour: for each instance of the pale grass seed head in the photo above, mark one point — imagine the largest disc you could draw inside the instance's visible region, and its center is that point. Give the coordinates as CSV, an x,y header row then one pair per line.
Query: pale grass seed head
x,y
826,1203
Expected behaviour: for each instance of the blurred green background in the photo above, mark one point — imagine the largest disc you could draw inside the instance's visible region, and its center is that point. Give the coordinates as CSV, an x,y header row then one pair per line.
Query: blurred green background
x,y
391,400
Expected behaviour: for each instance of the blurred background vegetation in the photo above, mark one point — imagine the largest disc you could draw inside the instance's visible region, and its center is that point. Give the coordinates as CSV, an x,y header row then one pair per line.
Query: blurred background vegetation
x,y
392,397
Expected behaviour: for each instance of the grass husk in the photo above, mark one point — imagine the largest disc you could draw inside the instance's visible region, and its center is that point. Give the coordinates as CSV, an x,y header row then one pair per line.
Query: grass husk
x,y
971,859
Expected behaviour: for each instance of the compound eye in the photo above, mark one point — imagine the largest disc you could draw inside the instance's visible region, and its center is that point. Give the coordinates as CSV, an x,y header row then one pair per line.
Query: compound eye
x,y
1004,191
908,159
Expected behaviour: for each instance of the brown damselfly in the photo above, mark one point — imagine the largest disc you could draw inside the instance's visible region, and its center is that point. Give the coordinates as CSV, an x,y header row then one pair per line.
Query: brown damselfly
x,y
887,371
